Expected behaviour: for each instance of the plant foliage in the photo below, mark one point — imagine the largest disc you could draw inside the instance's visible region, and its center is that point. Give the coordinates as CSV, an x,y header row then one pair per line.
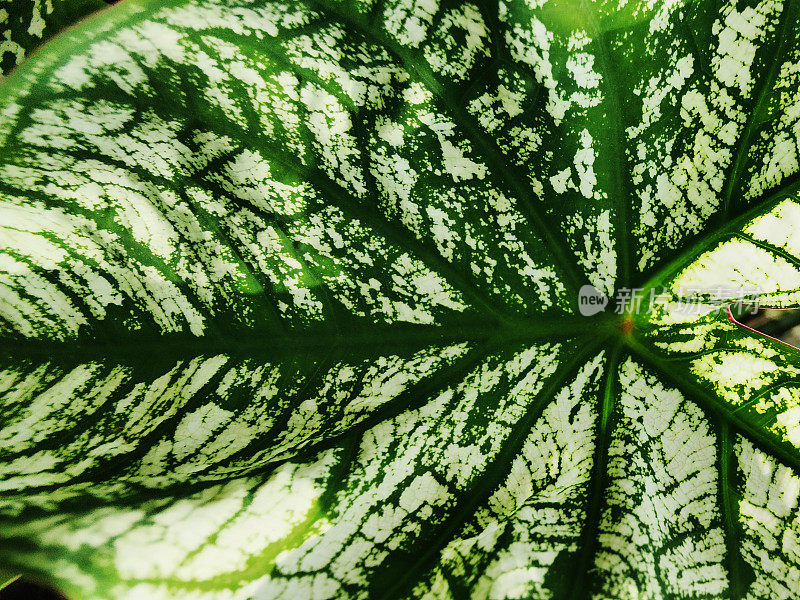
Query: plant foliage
x,y
289,299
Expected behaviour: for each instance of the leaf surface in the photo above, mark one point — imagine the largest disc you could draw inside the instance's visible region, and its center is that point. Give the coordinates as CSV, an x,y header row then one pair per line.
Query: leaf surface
x,y
289,301
25,24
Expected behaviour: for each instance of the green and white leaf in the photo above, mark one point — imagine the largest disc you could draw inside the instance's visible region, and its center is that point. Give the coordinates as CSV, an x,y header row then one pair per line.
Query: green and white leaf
x,y
25,24
288,301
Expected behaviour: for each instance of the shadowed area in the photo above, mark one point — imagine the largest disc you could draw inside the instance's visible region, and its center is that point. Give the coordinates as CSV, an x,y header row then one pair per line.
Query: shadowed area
x,y
23,589
780,323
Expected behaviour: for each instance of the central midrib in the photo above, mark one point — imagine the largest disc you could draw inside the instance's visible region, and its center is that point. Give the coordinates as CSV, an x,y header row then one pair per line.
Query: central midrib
x,y
358,340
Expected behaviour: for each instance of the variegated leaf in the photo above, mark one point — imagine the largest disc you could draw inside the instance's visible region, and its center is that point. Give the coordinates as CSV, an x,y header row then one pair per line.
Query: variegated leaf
x,y
289,301
25,24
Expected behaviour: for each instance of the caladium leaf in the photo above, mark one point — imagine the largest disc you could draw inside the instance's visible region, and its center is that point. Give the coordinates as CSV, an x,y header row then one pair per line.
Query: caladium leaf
x,y
289,301
25,24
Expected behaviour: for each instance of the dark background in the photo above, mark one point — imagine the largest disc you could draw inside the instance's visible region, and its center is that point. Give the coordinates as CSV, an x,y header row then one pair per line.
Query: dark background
x,y
22,589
